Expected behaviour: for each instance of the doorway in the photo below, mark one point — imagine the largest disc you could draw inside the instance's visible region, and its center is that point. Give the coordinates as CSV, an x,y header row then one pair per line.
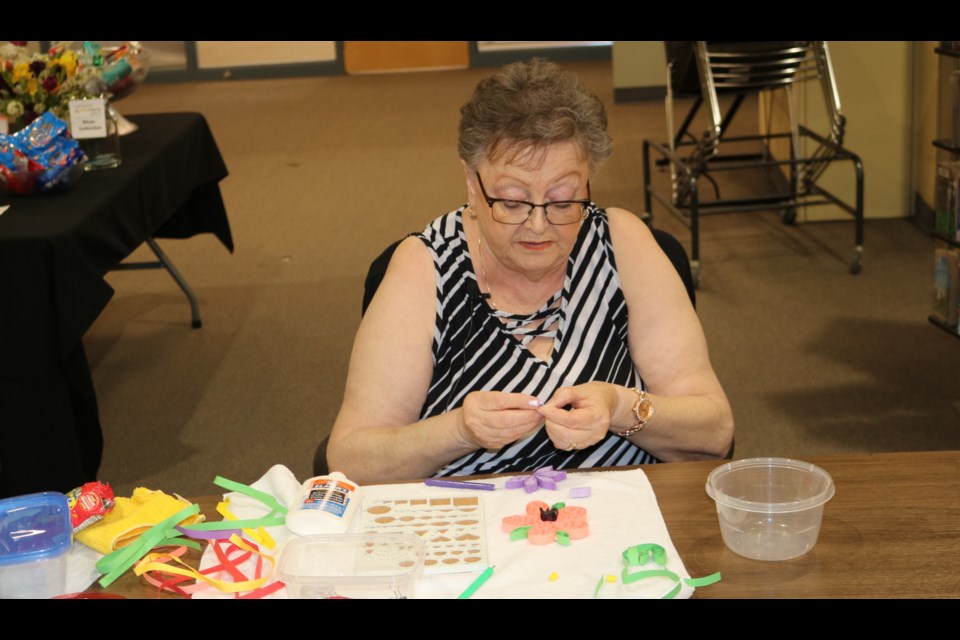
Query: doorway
x,y
362,56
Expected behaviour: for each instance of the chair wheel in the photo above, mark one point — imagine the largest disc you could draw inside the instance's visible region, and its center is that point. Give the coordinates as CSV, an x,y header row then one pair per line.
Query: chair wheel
x,y
789,215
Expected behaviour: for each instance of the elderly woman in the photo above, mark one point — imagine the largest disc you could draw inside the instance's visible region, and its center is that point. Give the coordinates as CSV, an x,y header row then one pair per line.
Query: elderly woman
x,y
529,327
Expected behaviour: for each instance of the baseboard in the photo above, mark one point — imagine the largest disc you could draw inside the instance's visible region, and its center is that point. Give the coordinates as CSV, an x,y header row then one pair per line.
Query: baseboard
x,y
639,94
923,213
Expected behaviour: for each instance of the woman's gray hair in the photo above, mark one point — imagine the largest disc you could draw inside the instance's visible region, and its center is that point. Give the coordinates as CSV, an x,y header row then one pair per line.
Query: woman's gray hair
x,y
526,107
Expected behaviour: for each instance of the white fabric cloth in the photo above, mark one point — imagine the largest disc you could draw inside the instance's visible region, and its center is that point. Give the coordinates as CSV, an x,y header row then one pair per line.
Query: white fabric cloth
x,y
622,512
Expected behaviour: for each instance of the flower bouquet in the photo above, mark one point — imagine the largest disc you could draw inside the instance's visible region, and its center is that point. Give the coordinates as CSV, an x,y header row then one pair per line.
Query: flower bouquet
x,y
32,84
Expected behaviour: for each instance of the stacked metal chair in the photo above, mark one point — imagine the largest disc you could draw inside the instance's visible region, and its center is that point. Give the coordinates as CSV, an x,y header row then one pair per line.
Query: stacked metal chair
x,y
705,71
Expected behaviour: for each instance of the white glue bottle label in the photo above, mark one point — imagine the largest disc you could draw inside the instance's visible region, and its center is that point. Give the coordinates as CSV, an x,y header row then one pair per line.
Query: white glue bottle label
x,y
326,504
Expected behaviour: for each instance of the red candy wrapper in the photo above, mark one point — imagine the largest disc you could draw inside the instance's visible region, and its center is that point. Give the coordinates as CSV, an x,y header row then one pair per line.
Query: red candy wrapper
x,y
89,503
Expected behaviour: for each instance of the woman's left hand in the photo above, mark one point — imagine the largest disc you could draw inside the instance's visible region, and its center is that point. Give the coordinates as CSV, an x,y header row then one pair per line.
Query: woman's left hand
x,y
579,417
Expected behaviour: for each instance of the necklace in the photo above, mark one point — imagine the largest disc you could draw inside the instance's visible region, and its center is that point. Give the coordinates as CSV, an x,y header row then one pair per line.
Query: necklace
x,y
543,323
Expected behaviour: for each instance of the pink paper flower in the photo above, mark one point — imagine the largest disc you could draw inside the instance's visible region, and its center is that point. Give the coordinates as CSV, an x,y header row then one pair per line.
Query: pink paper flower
x,y
545,524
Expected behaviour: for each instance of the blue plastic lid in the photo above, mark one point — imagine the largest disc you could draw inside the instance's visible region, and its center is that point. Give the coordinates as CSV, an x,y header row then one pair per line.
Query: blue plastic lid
x,y
34,527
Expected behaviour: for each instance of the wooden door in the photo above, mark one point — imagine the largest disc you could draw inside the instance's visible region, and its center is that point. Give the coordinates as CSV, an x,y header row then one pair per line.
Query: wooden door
x,y
363,56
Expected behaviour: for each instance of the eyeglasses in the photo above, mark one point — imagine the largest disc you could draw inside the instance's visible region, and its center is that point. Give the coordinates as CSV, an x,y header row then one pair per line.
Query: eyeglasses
x,y
519,211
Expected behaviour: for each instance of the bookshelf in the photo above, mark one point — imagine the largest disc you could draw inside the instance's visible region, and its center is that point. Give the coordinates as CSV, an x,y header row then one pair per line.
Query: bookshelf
x,y
948,145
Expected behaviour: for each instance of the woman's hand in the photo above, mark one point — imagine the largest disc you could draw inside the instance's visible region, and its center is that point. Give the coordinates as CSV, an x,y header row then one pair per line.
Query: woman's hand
x,y
586,422
493,419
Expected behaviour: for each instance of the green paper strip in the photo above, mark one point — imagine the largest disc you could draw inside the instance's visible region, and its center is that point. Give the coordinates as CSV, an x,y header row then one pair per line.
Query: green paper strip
x,y
629,578
265,498
558,506
705,581
476,584
520,533
639,555
117,563
563,538
596,591
181,542
223,525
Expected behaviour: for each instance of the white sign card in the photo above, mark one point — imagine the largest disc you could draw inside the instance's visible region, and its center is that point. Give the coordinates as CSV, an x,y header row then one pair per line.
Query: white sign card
x,y
88,118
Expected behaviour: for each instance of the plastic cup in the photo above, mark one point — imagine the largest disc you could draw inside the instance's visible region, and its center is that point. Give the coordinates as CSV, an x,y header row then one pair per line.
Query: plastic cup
x,y
770,508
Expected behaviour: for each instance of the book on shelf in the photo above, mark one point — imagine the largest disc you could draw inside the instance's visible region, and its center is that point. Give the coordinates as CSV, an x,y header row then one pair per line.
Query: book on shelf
x,y
946,200
955,110
946,285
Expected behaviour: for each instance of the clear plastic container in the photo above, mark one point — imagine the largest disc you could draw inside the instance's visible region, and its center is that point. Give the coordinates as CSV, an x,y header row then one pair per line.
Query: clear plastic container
x,y
352,566
36,536
770,508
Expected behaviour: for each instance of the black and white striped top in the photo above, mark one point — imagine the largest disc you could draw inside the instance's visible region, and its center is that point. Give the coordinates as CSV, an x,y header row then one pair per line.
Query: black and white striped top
x,y
473,352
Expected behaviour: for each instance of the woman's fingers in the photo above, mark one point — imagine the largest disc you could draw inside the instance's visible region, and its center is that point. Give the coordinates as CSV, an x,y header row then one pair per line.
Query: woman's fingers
x,y
492,419
577,417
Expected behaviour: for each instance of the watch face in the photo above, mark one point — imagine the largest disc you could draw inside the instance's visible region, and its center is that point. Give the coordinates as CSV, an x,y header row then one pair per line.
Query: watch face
x,y
646,410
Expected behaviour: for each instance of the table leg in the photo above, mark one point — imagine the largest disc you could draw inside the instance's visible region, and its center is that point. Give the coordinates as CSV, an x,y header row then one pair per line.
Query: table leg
x,y
165,263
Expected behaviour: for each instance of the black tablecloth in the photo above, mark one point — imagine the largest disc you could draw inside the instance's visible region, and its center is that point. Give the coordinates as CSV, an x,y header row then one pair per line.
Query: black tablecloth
x,y
54,253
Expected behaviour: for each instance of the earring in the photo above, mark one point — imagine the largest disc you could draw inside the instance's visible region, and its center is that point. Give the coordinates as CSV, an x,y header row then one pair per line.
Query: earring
x,y
473,216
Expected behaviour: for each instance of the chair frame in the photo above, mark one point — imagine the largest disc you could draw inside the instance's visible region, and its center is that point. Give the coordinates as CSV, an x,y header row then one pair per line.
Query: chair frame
x,y
740,73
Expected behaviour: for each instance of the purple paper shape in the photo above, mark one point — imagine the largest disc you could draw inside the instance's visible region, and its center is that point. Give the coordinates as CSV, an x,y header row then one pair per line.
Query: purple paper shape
x,y
580,492
214,534
515,483
547,483
544,478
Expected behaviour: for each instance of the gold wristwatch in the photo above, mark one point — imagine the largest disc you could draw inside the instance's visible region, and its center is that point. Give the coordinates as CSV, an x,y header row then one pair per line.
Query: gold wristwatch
x,y
643,410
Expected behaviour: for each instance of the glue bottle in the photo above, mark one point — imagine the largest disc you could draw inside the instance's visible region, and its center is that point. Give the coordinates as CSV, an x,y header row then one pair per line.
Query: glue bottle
x,y
326,504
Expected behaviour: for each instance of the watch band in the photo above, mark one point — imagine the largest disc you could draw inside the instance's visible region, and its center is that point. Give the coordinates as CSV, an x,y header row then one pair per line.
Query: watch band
x,y
642,418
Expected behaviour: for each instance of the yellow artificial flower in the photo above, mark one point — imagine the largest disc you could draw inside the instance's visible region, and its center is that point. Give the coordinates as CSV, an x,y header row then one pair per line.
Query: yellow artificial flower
x,y
68,62
21,71
32,86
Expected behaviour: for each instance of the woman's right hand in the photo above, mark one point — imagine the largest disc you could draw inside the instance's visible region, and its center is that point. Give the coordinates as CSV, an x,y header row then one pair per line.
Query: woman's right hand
x,y
492,419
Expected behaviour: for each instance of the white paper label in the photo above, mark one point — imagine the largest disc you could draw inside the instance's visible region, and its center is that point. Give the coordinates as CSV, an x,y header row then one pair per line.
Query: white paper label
x,y
88,118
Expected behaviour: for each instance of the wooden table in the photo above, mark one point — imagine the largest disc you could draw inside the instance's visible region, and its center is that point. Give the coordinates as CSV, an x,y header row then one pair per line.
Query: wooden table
x,y
891,531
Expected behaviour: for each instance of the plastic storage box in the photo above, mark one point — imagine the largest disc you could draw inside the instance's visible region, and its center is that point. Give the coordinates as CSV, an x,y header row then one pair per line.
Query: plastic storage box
x,y
352,566
35,539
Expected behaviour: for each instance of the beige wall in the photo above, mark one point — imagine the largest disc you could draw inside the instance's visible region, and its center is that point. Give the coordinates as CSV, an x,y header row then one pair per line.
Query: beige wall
x,y
638,63
925,99
874,81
